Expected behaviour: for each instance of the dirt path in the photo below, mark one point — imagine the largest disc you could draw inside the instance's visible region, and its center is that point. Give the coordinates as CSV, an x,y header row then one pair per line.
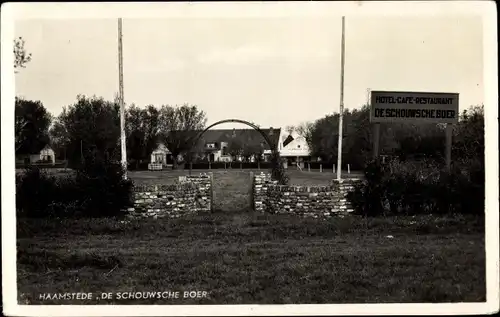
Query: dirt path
x,y
232,190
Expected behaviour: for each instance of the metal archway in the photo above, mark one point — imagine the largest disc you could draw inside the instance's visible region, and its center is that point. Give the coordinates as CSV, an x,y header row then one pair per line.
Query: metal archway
x,y
271,144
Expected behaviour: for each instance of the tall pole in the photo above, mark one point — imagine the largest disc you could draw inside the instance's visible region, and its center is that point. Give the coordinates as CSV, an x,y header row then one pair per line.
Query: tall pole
x,y
122,100
375,130
449,139
341,115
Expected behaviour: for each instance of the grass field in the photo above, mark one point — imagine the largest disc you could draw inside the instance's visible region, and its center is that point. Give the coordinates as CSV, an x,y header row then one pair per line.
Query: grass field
x,y
244,258
314,177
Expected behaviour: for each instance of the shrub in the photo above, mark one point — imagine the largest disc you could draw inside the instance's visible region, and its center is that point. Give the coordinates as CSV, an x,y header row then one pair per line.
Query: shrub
x,y
466,188
35,191
103,190
278,171
367,198
217,165
417,188
97,190
66,200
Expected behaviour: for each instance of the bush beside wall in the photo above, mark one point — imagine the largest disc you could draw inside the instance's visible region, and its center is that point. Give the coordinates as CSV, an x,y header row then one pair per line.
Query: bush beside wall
x,y
424,188
102,189
97,189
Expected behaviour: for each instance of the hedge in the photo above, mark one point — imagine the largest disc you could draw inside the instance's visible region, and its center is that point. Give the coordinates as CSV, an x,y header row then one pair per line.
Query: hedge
x,y
410,188
97,189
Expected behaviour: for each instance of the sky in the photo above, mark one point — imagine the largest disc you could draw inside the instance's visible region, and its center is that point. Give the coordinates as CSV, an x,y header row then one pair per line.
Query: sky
x,y
274,71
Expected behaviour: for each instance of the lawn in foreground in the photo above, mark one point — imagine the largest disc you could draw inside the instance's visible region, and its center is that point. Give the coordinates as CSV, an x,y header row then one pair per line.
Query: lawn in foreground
x,y
250,258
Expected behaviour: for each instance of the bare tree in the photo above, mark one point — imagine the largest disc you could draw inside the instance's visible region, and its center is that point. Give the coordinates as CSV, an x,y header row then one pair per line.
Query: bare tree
x,y
21,57
179,127
305,130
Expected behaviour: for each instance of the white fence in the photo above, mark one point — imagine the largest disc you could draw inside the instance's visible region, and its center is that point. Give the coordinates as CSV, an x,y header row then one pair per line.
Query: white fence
x,y
155,166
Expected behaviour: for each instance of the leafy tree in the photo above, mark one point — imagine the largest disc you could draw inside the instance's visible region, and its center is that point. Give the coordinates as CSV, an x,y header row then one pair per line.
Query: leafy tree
x,y
151,128
142,129
59,139
323,137
356,137
252,150
357,142
408,141
468,155
89,130
21,57
140,142
235,149
469,135
135,134
178,128
32,122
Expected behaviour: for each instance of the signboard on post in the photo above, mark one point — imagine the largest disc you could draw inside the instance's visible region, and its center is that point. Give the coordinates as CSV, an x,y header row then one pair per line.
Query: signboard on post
x,y
411,107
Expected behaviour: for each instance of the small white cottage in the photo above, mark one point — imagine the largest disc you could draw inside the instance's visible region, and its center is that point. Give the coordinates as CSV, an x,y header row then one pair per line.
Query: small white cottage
x,y
46,155
160,155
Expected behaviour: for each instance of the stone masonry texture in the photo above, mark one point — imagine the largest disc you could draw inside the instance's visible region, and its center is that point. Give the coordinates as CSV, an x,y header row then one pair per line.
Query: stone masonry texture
x,y
193,194
189,195
307,201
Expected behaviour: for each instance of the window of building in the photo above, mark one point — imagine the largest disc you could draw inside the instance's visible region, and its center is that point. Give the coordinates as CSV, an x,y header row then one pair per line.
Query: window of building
x,y
159,158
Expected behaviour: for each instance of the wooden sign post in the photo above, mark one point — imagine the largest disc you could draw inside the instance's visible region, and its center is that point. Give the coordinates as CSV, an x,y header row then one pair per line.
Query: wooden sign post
x,y
411,107
376,140
449,139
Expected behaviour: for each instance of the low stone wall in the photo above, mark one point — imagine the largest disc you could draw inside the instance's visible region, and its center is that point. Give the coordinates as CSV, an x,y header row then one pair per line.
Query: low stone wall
x,y
260,187
312,201
190,195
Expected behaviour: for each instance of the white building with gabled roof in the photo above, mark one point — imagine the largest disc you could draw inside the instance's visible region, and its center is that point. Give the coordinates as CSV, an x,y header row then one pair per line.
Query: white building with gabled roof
x,y
295,150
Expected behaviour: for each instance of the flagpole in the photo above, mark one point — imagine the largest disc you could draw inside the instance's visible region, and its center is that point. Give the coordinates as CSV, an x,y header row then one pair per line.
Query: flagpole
x,y
341,114
122,102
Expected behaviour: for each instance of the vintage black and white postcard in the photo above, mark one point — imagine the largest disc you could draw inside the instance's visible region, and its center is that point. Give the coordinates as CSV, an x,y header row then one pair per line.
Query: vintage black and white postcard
x,y
259,158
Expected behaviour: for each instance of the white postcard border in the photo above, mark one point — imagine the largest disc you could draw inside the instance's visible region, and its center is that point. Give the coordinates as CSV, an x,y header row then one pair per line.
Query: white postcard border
x,y
11,11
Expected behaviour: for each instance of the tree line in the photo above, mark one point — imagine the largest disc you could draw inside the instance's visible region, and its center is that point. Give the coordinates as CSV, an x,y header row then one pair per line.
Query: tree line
x,y
90,128
403,141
